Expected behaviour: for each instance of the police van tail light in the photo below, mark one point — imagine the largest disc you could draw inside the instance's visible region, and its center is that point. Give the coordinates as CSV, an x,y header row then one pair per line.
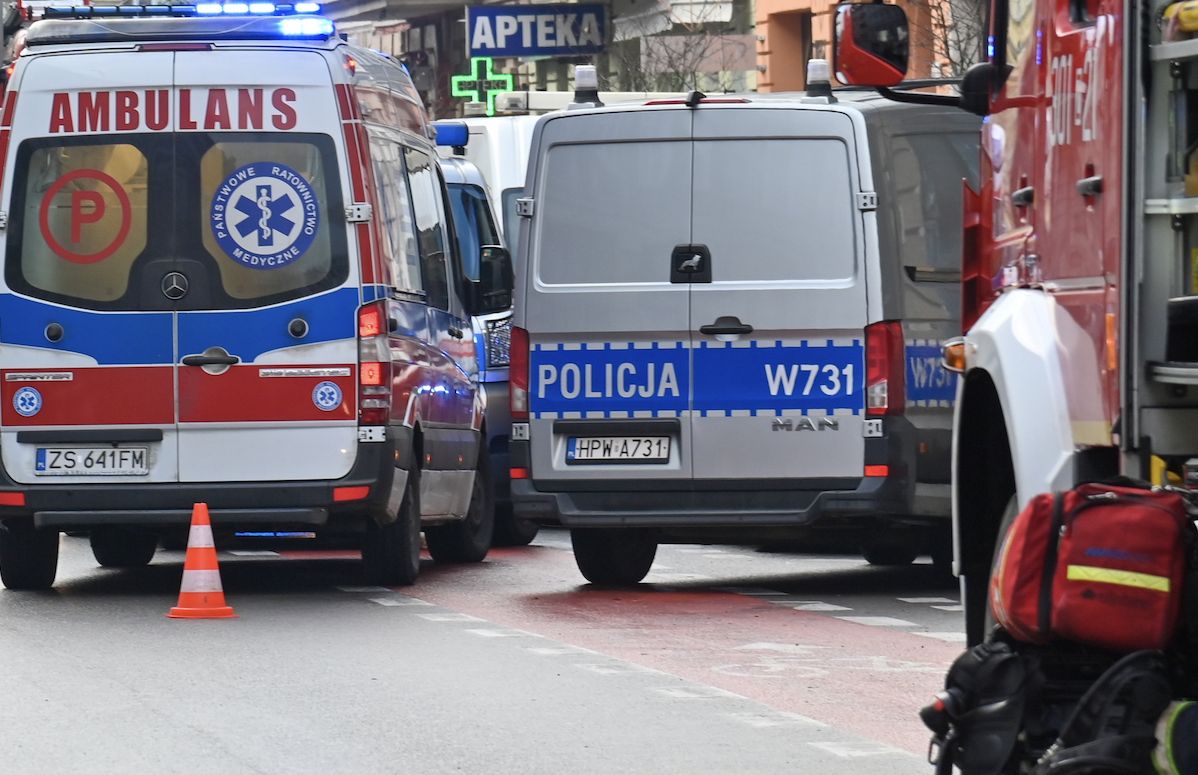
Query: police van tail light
x,y
884,389
374,365
518,374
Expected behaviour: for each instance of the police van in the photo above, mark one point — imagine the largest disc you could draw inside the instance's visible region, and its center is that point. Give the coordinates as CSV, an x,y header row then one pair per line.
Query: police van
x,y
229,276
478,234
726,324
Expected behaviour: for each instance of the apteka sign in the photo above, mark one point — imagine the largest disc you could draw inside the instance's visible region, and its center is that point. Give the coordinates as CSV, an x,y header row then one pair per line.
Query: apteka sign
x,y
535,30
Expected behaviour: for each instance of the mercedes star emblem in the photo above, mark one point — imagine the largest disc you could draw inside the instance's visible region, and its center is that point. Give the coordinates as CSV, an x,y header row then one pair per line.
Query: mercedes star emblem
x,y
174,285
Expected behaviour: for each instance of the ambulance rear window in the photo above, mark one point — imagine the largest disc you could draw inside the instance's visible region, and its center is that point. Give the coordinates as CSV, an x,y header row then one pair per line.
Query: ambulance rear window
x,y
249,219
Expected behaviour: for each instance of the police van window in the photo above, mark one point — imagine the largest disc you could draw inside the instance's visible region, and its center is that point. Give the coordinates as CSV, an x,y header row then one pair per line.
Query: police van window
x,y
613,212
395,217
926,171
82,220
744,189
430,226
265,215
475,228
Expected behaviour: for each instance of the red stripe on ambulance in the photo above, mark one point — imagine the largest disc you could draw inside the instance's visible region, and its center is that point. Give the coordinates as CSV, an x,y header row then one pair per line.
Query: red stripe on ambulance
x,y
361,177
10,107
122,395
206,110
207,397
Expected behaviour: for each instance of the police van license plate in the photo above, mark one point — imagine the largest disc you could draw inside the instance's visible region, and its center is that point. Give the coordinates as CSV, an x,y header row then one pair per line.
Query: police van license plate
x,y
628,449
91,461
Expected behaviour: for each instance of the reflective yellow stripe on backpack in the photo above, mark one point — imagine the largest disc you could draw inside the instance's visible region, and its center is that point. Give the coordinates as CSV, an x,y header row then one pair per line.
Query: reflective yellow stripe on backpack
x,y
1124,578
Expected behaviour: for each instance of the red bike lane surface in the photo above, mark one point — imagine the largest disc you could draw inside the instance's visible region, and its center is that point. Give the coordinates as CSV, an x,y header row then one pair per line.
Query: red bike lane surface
x,y
868,680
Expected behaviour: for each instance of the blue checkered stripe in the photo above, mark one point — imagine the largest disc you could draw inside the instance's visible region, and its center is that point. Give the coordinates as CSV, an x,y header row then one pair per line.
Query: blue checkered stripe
x,y
928,383
714,379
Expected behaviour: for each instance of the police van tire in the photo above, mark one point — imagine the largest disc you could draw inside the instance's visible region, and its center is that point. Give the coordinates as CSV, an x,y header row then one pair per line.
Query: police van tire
x,y
28,557
892,551
391,552
468,540
614,557
115,547
511,530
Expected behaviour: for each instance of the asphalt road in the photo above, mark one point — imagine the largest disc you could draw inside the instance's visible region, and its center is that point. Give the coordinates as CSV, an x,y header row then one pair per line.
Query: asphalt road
x,y
726,660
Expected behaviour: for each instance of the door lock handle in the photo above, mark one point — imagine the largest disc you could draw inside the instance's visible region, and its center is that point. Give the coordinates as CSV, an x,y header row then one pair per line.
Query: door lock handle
x,y
456,332
210,360
1023,197
726,325
1091,186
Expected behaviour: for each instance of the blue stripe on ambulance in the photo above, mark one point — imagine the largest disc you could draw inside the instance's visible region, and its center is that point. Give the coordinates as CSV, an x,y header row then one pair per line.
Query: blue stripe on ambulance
x,y
249,333
111,338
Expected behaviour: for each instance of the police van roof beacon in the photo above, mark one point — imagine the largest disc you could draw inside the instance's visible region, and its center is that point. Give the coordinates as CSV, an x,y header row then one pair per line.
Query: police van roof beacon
x,y
819,80
586,88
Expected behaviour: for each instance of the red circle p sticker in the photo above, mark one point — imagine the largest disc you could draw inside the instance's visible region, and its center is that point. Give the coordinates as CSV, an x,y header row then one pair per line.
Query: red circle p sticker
x,y
95,205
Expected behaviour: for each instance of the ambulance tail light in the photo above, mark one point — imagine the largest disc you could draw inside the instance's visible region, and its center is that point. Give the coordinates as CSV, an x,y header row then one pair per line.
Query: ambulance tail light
x,y
374,365
884,366
518,374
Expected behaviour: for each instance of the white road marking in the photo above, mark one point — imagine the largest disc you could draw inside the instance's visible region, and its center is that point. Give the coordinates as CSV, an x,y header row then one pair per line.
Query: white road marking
x,y
878,621
752,591
815,605
853,750
364,589
622,668
765,720
557,651
397,601
695,692
450,618
951,637
957,607
504,634
253,553
656,576
782,648
926,600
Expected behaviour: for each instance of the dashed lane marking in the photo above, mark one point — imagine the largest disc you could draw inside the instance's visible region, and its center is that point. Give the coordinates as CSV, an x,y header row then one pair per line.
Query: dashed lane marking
x,y
364,589
618,668
816,605
253,553
854,750
878,621
766,720
696,692
926,600
450,618
557,651
950,637
398,601
954,608
504,633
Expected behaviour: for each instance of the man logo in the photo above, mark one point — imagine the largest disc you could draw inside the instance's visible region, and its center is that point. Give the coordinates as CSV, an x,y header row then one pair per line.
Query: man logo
x,y
806,424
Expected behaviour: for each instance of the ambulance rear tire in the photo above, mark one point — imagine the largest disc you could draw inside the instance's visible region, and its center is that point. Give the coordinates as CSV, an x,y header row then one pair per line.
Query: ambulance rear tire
x,y
391,552
614,557
468,540
28,557
511,530
891,552
118,547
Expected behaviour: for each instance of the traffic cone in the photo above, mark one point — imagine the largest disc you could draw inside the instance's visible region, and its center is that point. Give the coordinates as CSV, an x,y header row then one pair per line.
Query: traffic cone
x,y
201,595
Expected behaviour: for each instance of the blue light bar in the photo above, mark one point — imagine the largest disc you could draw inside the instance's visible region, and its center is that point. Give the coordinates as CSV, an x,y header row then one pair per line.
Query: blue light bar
x,y
452,134
209,8
262,7
237,8
306,27
307,7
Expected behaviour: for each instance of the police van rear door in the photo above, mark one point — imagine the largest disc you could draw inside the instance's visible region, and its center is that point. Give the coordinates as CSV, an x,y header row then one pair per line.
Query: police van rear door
x,y
267,343
608,329
777,329
87,338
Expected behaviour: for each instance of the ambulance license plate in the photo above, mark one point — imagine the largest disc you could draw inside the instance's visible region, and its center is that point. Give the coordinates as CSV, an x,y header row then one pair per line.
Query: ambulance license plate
x,y
617,449
91,461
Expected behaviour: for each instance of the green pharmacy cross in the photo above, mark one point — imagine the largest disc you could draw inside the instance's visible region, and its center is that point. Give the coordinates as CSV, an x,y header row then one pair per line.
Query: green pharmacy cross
x,y
481,85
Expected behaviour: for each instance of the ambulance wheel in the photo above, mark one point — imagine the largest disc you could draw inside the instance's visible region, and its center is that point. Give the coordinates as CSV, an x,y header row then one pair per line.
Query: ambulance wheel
x,y
511,530
614,557
28,557
391,553
117,547
470,539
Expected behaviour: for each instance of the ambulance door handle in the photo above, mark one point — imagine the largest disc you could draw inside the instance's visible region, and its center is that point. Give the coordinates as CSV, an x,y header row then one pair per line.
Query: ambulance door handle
x,y
210,360
1091,186
456,332
1023,197
726,325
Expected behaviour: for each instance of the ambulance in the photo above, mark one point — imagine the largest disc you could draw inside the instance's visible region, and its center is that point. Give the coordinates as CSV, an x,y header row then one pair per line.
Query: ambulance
x,y
230,277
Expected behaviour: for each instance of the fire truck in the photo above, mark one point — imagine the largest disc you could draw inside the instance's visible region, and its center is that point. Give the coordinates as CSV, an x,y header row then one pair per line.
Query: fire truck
x,y
1079,359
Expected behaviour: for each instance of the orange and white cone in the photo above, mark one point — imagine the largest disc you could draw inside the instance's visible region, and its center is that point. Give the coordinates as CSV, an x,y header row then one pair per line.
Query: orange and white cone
x,y
201,595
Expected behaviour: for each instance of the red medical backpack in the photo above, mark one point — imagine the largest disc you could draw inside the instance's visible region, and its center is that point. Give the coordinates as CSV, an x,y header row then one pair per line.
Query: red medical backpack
x,y
1099,564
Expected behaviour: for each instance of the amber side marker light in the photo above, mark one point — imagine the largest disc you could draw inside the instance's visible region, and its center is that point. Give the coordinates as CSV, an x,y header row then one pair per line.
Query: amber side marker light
x,y
952,354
